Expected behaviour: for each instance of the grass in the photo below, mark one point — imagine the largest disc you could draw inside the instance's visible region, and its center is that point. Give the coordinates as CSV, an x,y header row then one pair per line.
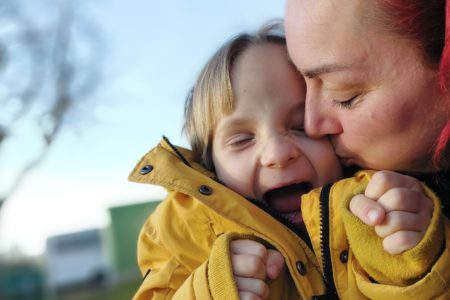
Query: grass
x,y
123,291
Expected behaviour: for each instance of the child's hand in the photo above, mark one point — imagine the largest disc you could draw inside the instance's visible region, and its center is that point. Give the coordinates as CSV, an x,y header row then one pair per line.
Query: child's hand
x,y
252,265
398,208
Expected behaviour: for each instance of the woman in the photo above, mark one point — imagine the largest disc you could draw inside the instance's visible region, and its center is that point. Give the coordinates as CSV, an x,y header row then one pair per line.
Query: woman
x,y
377,76
378,84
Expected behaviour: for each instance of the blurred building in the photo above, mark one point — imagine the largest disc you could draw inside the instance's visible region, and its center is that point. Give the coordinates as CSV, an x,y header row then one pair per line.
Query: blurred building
x,y
91,264
76,259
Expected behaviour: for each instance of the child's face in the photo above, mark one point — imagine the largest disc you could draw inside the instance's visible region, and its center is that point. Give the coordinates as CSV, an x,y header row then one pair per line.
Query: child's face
x,y
260,150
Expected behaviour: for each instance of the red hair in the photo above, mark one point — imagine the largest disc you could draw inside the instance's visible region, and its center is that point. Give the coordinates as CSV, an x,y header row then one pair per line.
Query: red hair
x,y
444,74
427,22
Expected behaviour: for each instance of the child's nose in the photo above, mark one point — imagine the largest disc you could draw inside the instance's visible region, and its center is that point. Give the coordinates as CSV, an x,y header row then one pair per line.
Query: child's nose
x,y
278,152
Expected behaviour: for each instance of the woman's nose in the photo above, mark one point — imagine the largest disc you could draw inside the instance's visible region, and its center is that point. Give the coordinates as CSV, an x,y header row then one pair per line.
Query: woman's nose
x,y
278,152
320,118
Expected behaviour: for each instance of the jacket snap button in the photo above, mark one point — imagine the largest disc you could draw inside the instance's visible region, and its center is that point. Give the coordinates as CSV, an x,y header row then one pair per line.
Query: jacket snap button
x,y
205,190
146,169
301,268
344,256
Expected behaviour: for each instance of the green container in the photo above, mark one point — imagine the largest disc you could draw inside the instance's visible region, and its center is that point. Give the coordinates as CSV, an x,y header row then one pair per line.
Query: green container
x,y
126,223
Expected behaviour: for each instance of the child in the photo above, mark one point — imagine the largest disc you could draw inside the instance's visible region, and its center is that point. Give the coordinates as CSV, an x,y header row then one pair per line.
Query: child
x,y
237,193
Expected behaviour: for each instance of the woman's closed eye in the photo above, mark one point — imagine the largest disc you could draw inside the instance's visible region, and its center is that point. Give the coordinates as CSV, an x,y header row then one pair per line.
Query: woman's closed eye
x,y
346,103
299,130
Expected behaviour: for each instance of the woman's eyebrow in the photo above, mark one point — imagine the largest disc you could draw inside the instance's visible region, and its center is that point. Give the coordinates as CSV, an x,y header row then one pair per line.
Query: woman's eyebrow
x,y
322,69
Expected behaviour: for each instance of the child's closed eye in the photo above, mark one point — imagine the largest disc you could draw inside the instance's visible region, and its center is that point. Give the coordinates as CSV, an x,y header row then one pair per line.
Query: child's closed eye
x,y
240,140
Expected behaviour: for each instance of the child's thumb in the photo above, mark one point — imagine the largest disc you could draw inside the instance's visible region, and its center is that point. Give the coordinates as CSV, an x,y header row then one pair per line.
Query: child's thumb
x,y
367,210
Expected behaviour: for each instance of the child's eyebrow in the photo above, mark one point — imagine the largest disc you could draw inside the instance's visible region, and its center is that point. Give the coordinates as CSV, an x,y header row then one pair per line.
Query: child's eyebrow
x,y
235,123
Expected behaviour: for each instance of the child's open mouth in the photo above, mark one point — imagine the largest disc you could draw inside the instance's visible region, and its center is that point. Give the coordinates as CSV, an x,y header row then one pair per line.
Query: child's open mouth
x,y
286,200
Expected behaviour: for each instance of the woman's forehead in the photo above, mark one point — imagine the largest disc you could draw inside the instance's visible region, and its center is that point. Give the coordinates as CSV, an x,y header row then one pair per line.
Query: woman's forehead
x,y
327,39
319,11
328,19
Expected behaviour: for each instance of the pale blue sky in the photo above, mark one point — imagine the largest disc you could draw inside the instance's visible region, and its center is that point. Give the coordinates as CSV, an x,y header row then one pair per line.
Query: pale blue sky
x,y
154,50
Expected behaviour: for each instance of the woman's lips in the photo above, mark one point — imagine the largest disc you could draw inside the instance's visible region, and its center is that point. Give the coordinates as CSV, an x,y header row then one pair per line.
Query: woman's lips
x,y
346,159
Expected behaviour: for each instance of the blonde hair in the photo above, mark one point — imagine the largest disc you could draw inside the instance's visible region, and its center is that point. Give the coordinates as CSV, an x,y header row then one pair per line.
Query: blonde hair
x,y
212,97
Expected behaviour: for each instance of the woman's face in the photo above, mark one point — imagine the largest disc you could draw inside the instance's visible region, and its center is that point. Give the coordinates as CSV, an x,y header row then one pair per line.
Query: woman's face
x,y
369,90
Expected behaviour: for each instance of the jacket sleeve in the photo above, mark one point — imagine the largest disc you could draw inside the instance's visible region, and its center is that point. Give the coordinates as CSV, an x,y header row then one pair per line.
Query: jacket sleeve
x,y
213,279
177,261
419,269
166,277
220,275
433,285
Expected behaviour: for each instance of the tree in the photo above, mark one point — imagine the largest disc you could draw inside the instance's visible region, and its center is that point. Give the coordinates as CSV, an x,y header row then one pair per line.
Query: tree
x,y
49,62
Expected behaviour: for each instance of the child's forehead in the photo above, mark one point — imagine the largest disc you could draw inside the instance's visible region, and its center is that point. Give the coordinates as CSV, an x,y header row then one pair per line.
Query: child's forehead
x,y
249,112
265,72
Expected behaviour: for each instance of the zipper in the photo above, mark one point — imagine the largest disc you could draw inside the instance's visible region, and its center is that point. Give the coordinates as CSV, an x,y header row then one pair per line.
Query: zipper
x,y
330,287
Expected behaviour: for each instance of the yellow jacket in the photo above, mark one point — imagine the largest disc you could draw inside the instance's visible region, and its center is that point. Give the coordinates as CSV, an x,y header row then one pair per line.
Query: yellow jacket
x,y
183,246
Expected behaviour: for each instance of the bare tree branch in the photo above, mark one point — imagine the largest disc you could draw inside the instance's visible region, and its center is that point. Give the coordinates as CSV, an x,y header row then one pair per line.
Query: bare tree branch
x,y
50,76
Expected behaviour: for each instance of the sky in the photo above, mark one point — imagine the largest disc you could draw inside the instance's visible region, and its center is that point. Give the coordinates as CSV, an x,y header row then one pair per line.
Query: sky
x,y
152,53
